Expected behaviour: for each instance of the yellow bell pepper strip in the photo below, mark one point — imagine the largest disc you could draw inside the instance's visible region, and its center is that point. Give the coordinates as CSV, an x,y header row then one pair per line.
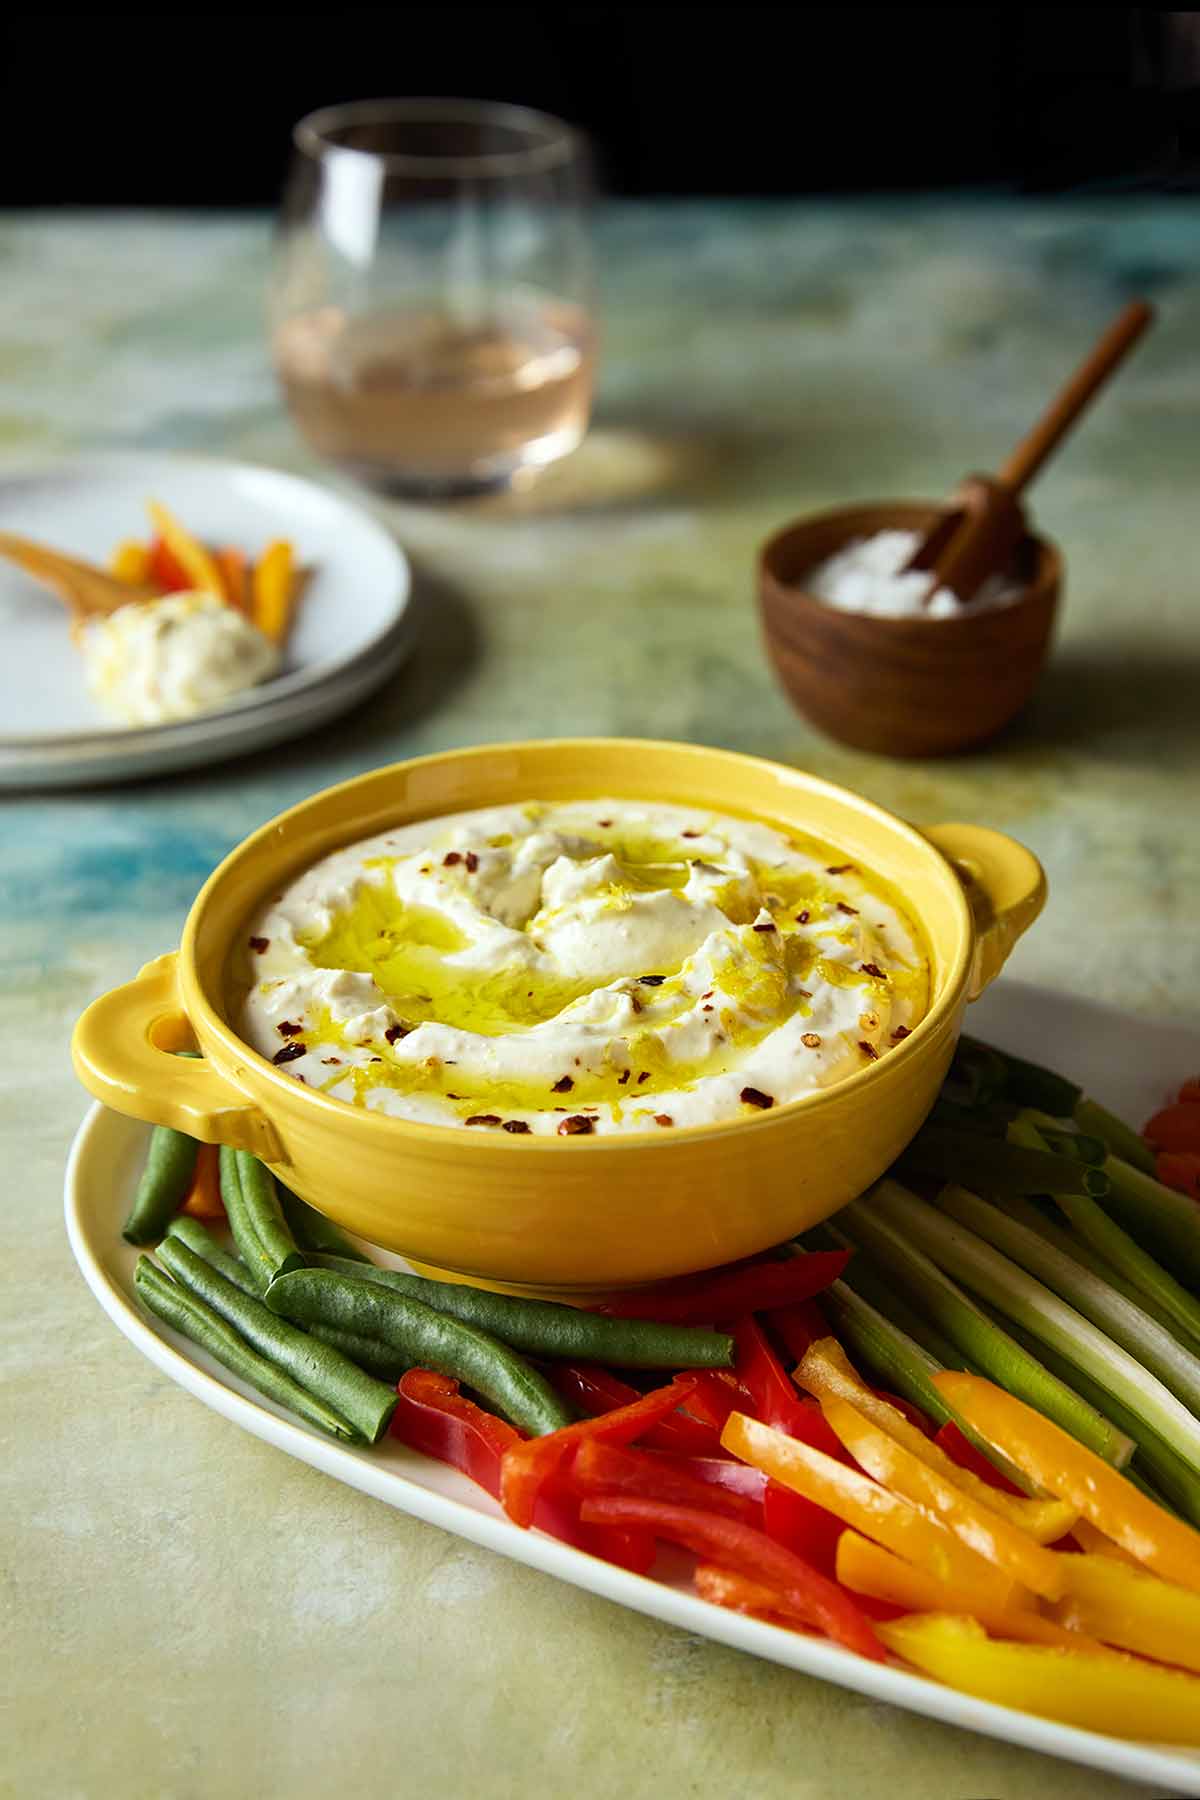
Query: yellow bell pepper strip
x,y
1098,1692
235,576
1058,1462
1096,1544
130,561
861,1502
826,1372
981,1529
1133,1610
195,561
272,591
870,1569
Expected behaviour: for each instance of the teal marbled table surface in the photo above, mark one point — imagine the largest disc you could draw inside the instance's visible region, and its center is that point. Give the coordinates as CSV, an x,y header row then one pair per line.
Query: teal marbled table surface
x,y
186,1612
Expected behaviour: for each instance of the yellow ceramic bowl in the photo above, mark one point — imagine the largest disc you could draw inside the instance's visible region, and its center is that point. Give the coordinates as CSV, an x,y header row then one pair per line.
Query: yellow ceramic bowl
x,y
550,1212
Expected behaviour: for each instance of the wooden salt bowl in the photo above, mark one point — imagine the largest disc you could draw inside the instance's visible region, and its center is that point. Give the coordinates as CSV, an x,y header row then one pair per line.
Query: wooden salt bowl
x,y
908,686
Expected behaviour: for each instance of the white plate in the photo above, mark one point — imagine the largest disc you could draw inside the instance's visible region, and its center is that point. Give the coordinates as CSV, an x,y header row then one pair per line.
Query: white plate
x,y
1131,1065
352,627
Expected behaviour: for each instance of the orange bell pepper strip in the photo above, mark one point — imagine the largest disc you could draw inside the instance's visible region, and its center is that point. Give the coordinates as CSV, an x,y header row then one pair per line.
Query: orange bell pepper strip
x,y
869,1569
981,1529
1132,1609
826,1373
188,552
235,576
203,1198
1099,1692
130,561
871,1509
1059,1463
272,591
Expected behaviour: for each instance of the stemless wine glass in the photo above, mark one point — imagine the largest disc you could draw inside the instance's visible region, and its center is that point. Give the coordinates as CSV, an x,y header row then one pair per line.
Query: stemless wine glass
x,y
431,306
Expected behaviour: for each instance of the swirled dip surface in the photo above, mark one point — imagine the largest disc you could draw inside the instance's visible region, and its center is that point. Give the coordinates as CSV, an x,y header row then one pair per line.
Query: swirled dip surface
x,y
594,967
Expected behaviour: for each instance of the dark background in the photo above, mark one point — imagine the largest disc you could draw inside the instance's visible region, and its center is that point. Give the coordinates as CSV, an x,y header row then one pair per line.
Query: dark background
x,y
194,108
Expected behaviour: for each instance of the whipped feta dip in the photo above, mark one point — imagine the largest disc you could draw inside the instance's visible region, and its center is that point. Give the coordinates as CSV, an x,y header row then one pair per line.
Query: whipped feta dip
x,y
574,969
865,577
157,660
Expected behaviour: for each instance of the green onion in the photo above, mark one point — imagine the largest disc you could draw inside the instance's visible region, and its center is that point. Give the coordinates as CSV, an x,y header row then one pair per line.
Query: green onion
x,y
1165,1220
989,1349
1018,1296
1121,1139
1124,1321
1029,1084
867,1280
1117,1247
995,1166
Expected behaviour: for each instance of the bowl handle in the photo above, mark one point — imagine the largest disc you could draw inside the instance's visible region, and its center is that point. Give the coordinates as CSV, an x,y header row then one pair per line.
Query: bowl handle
x,y
1006,890
124,1049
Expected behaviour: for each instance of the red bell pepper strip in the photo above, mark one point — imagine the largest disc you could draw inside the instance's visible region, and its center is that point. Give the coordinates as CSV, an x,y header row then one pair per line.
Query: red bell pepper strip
x,y
717,1393
801,1525
718,1471
1179,1169
166,570
1176,1127
773,1394
960,1450
595,1391
725,1587
527,1465
758,1288
432,1416
598,1468
750,1553
798,1326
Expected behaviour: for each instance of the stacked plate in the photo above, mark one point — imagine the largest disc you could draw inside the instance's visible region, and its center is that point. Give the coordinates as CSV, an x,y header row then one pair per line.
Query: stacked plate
x,y
353,624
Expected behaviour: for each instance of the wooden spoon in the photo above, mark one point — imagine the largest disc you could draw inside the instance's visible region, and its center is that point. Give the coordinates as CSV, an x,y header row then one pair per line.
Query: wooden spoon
x,y
89,592
979,532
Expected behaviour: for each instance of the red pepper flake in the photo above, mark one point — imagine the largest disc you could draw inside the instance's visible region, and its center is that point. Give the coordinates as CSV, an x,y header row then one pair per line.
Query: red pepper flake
x,y
301,1080
287,1028
623,1077
873,969
652,980
843,908
377,1059
637,1005
900,1033
451,857
706,1009
472,862
839,868
331,1059
394,1032
802,918
691,834
811,1041
644,1076
517,1126
707,996
563,1085
755,1097
765,927
868,1050
289,1053
451,1096
663,1119
484,1119
604,824
425,869
260,944
575,1126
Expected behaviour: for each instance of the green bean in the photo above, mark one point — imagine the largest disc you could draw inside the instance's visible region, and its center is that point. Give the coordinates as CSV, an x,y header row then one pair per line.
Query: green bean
x,y
325,1372
166,1178
545,1328
427,1338
184,1313
378,1359
313,1231
200,1240
265,1215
